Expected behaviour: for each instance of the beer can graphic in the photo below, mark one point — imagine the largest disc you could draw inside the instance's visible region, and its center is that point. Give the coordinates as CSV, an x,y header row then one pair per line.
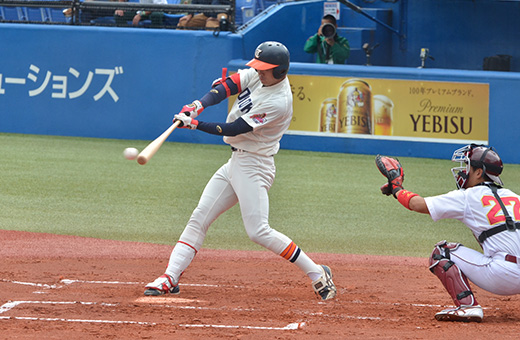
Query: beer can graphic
x,y
328,115
383,115
354,107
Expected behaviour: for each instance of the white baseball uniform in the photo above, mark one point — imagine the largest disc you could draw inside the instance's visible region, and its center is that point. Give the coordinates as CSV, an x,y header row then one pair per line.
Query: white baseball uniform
x,y
268,110
247,176
479,210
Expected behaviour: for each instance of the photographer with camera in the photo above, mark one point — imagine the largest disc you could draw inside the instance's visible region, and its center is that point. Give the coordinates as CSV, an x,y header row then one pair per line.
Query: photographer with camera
x,y
329,46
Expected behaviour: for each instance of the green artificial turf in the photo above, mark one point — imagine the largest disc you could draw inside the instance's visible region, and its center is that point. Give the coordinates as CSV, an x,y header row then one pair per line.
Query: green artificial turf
x,y
325,202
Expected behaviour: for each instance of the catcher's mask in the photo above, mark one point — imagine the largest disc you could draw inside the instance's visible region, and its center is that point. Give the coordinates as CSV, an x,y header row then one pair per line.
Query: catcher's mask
x,y
477,156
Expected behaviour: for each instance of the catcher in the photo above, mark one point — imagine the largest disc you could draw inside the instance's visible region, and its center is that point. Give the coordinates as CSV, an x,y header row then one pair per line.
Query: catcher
x,y
490,211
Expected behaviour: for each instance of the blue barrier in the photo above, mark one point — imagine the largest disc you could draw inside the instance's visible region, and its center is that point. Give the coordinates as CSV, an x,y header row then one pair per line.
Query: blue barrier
x,y
127,83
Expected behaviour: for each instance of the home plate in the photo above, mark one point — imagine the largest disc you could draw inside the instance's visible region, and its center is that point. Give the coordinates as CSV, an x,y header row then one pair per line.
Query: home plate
x,y
161,299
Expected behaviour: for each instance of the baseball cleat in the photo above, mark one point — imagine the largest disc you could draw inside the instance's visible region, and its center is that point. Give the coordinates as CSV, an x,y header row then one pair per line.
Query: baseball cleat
x,y
162,285
462,313
324,287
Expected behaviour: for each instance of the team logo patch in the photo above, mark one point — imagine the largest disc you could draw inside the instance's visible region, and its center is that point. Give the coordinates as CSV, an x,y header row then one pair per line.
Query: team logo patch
x,y
259,118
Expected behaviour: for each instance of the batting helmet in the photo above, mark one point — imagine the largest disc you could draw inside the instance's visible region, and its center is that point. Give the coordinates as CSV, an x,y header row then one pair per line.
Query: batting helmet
x,y
271,55
480,157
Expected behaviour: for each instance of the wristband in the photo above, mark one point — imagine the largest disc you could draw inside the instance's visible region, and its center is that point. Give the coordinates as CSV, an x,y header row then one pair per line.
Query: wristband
x,y
404,197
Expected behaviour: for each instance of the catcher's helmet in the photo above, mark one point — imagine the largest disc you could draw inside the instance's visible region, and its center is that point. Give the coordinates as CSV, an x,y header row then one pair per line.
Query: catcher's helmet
x,y
271,55
480,157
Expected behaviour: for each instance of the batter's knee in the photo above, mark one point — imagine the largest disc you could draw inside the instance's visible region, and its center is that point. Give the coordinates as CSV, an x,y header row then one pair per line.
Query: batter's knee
x,y
259,235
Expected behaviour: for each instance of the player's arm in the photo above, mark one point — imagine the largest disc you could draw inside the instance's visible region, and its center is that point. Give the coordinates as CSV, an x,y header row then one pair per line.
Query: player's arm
x,y
221,89
237,127
414,202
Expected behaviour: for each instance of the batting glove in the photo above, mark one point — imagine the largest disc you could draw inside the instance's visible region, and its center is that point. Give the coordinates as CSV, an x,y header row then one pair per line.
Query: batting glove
x,y
193,110
186,122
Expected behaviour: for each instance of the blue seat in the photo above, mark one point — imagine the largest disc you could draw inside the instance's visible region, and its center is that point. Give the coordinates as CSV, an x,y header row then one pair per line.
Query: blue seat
x,y
56,15
37,14
13,14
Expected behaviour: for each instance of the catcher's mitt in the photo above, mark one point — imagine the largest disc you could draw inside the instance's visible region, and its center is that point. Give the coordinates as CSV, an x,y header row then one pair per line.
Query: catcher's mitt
x,y
390,168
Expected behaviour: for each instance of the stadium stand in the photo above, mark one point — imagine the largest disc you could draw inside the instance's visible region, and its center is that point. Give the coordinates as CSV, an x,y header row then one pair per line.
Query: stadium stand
x,y
52,11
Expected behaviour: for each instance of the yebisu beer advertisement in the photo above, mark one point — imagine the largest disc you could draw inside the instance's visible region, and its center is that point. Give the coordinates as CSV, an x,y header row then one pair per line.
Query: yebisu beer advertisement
x,y
391,108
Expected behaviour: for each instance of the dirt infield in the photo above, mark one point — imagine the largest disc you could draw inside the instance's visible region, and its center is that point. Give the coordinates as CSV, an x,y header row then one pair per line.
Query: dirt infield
x,y
60,287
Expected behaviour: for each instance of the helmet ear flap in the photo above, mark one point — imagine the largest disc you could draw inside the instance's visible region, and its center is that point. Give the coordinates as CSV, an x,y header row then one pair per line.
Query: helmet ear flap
x,y
279,72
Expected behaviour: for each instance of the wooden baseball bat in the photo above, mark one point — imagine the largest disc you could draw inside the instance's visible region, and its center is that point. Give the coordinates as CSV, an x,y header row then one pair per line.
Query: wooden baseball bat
x,y
150,150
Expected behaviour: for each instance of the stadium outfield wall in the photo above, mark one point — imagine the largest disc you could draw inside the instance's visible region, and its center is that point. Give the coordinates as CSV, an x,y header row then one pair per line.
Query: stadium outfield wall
x,y
127,83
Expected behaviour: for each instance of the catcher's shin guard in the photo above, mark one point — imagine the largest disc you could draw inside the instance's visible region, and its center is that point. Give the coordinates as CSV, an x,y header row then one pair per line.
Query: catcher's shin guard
x,y
453,279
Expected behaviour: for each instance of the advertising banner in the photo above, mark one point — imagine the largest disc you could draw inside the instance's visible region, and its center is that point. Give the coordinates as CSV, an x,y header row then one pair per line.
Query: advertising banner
x,y
380,108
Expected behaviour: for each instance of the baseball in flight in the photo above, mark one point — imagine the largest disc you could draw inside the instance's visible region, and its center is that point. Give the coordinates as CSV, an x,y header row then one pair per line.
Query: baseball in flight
x,y
131,153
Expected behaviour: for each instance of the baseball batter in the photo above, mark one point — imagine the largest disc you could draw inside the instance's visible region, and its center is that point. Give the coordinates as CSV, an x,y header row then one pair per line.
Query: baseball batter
x,y
254,126
490,211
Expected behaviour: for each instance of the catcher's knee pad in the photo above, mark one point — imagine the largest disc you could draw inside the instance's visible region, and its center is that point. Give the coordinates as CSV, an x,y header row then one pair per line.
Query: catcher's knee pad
x,y
452,278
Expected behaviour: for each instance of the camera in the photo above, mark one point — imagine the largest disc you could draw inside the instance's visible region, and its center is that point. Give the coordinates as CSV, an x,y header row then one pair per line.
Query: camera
x,y
328,30
223,23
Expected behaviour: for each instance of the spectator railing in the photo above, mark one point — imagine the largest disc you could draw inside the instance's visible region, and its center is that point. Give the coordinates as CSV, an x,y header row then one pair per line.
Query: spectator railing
x,y
77,6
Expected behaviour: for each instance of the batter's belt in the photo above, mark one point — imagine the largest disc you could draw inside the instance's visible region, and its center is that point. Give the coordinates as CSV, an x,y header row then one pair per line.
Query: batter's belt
x,y
511,258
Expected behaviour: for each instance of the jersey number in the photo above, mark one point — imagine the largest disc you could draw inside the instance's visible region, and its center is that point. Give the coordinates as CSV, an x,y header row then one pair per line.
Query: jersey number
x,y
496,215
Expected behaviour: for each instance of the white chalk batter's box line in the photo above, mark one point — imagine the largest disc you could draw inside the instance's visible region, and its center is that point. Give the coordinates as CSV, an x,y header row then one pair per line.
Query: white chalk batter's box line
x,y
71,281
292,326
12,304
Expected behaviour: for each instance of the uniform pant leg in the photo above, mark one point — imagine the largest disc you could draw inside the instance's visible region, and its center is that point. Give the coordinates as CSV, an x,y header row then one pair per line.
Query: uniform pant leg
x,y
252,177
493,274
218,196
